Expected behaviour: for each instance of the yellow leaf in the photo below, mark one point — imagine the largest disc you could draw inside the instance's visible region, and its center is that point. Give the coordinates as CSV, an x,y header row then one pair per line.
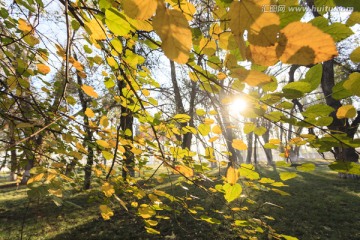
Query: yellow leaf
x,y
174,32
104,121
42,68
213,139
208,121
184,6
265,56
108,189
24,26
145,92
251,77
57,192
239,144
346,111
303,44
274,141
221,76
145,211
89,91
242,15
103,143
36,178
216,129
264,30
97,29
136,151
89,113
184,170
232,175
139,9
106,212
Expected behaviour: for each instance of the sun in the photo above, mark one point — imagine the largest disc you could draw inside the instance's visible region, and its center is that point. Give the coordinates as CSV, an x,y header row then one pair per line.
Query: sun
x,y
237,106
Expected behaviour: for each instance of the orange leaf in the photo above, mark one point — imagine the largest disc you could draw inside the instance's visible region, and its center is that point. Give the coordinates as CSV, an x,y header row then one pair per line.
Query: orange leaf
x,y
89,91
42,68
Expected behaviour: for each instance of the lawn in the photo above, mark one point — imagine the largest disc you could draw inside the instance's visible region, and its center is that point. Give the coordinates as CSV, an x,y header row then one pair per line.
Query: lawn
x,y
321,206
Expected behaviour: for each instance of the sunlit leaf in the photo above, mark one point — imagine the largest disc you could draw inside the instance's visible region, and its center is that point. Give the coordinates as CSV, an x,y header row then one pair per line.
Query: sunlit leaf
x,y
239,144
103,143
346,111
182,118
184,170
139,9
97,29
89,113
287,175
304,44
106,212
204,129
42,68
306,167
108,189
116,22
232,175
232,192
89,91
174,31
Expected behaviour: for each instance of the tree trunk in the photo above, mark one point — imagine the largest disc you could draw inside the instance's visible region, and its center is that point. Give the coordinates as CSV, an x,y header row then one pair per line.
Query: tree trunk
x,y
250,147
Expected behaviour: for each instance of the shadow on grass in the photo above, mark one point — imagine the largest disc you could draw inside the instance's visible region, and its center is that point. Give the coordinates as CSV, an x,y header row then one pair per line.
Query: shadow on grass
x,y
321,206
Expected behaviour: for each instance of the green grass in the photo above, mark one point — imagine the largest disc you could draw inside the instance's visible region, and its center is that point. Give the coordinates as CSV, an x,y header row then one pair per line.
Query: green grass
x,y
321,206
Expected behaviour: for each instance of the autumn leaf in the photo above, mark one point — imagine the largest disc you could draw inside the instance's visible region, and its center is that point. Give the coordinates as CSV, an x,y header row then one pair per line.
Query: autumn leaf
x,y
251,77
346,111
232,175
174,32
216,129
108,189
106,212
42,68
303,44
89,113
239,144
184,170
24,26
103,143
89,91
139,9
97,29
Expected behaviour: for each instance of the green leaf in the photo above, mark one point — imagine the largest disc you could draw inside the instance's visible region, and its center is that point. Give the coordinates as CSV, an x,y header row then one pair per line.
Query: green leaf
x,y
339,92
353,19
210,219
232,192
287,175
116,22
355,55
306,167
296,89
241,223
352,84
313,76
287,237
318,110
337,31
